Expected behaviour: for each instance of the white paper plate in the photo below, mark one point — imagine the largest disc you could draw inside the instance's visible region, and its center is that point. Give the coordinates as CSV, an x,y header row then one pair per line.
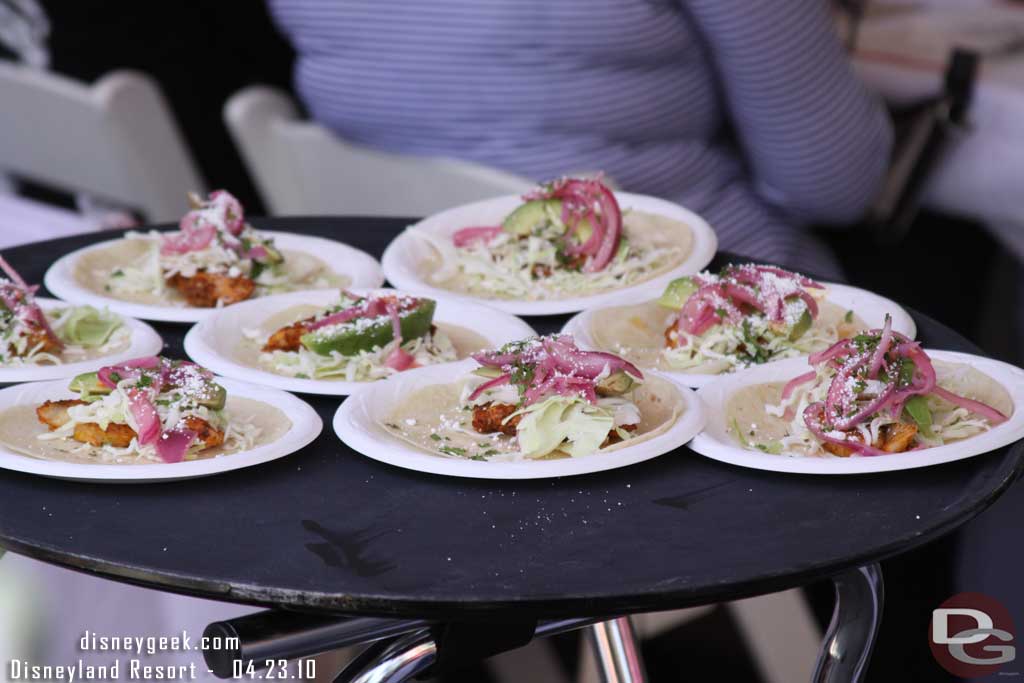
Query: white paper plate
x,y
211,341
402,255
361,268
357,423
716,443
144,342
870,307
306,426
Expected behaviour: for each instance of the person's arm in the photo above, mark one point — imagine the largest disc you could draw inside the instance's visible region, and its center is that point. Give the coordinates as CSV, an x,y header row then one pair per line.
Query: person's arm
x,y
817,141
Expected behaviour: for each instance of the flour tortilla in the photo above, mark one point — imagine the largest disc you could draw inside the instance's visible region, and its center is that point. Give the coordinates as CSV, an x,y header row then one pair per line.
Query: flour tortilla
x,y
639,227
747,405
19,428
637,332
465,341
92,270
428,408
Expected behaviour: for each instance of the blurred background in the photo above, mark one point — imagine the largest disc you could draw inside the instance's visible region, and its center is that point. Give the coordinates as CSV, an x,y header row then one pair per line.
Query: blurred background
x,y
110,112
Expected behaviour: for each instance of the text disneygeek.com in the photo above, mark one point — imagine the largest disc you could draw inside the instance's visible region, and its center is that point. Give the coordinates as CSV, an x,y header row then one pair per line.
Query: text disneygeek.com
x,y
131,659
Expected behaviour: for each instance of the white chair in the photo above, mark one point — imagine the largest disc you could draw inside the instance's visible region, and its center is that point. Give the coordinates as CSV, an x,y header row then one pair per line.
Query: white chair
x,y
114,141
301,167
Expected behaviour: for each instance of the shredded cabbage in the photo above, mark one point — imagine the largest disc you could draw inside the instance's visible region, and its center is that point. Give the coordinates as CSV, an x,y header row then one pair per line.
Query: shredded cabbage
x,y
562,423
172,407
84,330
150,272
729,343
950,423
531,267
84,325
366,366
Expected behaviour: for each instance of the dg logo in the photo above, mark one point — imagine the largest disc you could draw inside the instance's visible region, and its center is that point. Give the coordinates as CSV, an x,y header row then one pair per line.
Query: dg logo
x,y
972,635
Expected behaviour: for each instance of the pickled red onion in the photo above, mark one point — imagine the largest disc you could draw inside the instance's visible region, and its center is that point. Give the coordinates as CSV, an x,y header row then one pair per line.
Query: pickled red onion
x,y
174,443
792,384
986,411
467,236
144,413
489,384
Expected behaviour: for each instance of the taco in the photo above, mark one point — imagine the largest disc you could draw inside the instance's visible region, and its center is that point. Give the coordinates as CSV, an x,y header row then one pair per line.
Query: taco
x,y
875,394
536,399
30,335
714,323
568,238
147,410
215,258
359,338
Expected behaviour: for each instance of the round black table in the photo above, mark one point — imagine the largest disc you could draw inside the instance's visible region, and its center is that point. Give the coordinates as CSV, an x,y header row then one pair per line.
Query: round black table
x,y
329,530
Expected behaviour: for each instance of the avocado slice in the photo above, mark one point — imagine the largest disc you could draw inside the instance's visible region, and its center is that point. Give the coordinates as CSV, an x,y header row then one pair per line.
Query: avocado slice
x,y
615,384
88,386
530,216
216,397
677,292
488,372
584,231
273,257
801,326
353,338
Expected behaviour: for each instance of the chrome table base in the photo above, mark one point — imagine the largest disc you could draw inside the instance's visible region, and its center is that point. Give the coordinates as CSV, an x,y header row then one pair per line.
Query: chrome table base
x,y
618,651
846,650
402,650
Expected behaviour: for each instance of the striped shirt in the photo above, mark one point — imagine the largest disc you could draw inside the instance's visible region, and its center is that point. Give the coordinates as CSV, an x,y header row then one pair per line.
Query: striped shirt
x,y
746,111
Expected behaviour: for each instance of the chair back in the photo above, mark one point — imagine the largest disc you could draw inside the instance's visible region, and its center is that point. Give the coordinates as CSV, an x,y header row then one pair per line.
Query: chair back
x,y
115,141
301,167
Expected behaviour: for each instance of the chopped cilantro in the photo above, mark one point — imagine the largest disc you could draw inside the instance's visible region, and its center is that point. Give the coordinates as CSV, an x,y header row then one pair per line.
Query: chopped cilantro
x,y
117,273
477,457
452,450
301,375
435,437
848,317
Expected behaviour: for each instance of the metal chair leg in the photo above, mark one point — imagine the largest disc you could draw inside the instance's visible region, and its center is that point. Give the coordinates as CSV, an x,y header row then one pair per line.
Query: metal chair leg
x,y
393,662
410,655
846,650
618,652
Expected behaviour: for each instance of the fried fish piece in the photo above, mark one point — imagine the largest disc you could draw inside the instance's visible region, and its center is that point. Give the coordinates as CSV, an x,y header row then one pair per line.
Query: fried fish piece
x,y
672,338
39,337
205,290
896,437
487,418
210,436
116,434
54,414
288,338
613,436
